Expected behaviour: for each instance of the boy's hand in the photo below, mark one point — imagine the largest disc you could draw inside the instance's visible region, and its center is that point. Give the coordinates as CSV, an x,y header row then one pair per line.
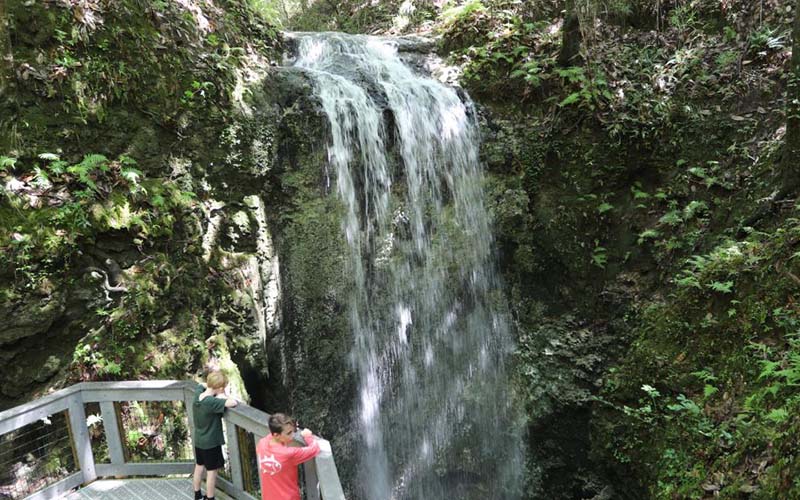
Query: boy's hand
x,y
306,432
230,402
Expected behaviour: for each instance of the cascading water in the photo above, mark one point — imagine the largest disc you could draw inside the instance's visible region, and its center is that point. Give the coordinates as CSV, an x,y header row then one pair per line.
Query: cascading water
x,y
431,336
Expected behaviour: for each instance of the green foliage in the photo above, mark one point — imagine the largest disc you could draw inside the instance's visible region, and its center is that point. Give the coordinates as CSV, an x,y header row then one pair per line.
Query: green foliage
x,y
599,256
7,163
138,53
505,55
726,59
89,197
268,10
604,207
592,91
684,17
766,38
672,218
460,13
637,192
706,420
648,234
705,288
722,287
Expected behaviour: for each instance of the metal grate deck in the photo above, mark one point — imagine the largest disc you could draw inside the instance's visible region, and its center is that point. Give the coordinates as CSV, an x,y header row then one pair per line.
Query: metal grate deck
x,y
139,489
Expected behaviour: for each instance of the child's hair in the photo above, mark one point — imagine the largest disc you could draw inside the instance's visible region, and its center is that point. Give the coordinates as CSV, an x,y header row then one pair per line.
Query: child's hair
x,y
278,421
216,380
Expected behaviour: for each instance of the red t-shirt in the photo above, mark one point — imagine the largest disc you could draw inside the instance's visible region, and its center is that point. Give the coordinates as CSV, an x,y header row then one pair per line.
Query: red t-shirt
x,y
277,466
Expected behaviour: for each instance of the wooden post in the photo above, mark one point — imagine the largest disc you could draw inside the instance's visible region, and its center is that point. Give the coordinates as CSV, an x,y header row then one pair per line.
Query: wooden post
x,y
312,482
257,438
234,456
246,452
113,435
188,401
80,437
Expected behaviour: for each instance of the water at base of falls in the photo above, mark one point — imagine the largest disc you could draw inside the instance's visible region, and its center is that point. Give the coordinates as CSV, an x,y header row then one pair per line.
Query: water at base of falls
x,y
427,313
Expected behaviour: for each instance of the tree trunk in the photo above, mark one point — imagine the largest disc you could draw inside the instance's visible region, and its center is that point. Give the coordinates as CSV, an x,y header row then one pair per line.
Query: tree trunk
x,y
790,160
570,36
6,56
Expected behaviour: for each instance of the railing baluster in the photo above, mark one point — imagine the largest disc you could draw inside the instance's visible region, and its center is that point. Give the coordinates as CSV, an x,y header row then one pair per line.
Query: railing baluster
x,y
80,435
188,401
113,437
235,458
312,482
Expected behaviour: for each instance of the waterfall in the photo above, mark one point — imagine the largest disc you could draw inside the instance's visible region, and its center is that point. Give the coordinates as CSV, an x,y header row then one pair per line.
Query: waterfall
x,y
431,336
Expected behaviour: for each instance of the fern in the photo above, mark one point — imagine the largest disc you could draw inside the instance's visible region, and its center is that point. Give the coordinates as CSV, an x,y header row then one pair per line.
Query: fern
x,y
132,175
722,287
768,369
694,208
673,218
95,161
599,257
57,167
698,262
705,375
638,194
709,390
604,207
689,280
685,405
6,163
42,180
86,169
778,415
648,234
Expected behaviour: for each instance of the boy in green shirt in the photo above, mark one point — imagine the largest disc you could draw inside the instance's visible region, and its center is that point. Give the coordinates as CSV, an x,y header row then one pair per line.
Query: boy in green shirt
x,y
208,405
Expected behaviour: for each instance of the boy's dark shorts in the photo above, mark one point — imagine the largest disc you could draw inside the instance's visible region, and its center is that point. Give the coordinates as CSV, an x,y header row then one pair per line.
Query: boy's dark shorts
x,y
211,458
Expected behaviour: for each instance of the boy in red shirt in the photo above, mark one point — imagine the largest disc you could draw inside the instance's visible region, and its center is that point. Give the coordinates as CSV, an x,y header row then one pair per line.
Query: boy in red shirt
x,y
277,461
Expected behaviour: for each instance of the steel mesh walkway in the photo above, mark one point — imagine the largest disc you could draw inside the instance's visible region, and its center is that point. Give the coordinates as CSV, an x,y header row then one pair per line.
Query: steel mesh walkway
x,y
139,489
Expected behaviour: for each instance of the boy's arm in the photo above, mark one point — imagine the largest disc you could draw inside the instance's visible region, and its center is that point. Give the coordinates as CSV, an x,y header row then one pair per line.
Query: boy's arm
x,y
224,401
305,453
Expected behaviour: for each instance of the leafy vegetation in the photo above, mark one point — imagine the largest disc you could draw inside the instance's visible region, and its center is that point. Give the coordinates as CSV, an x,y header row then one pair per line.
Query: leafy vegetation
x,y
705,427
104,119
51,207
91,59
645,165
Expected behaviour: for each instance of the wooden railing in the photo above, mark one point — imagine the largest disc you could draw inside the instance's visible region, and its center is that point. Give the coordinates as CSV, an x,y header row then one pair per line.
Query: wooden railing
x,y
244,425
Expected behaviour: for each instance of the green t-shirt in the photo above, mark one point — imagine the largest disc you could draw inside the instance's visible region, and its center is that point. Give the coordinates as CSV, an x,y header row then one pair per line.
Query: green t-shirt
x,y
207,420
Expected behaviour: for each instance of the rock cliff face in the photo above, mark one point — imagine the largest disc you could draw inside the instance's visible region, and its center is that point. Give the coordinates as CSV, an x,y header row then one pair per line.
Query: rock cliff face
x,y
119,258
567,336
308,371
567,316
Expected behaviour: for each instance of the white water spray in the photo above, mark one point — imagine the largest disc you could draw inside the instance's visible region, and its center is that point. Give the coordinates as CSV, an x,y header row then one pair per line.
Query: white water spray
x,y
430,331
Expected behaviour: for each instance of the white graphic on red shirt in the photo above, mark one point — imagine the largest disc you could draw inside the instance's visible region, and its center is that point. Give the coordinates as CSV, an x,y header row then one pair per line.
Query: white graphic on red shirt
x,y
270,465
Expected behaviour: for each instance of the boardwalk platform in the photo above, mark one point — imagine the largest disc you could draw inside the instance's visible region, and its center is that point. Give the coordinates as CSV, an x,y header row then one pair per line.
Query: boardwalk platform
x,y
133,429
138,489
